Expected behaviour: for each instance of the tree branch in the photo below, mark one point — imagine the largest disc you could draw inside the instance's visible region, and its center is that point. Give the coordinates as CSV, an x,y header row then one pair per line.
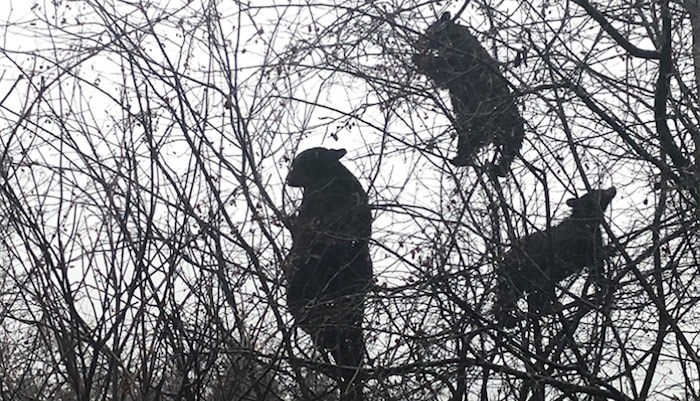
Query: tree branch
x,y
617,36
662,91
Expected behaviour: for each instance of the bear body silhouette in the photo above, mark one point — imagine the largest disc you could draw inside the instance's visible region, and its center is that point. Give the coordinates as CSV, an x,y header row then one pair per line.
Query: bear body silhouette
x,y
539,261
329,269
483,106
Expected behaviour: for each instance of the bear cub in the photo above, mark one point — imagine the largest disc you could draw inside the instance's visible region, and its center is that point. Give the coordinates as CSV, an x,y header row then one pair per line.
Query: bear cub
x,y
483,105
539,261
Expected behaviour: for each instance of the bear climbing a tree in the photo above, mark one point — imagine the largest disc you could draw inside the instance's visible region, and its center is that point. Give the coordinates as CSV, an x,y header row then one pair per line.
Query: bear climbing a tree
x,y
538,262
328,269
483,106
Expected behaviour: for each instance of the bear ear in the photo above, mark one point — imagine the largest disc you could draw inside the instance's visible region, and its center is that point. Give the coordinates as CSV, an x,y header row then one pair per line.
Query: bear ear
x,y
572,202
445,17
338,153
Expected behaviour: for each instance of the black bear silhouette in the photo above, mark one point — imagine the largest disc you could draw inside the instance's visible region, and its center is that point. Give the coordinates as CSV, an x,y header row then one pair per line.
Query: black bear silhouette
x,y
329,269
539,261
483,105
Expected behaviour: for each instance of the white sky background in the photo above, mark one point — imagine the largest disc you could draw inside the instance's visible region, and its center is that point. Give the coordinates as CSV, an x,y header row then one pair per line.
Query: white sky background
x,y
289,100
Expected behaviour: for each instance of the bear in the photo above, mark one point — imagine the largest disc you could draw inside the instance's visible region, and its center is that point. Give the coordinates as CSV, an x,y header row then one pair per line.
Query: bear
x,y
483,105
539,261
329,269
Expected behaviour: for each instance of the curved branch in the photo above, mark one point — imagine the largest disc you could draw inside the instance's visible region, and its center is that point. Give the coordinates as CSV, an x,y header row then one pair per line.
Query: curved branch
x,y
662,92
617,36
